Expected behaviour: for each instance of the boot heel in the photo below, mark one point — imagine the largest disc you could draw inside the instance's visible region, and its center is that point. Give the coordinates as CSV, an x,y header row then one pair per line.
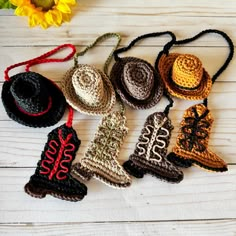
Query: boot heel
x,y
78,171
133,169
178,161
34,191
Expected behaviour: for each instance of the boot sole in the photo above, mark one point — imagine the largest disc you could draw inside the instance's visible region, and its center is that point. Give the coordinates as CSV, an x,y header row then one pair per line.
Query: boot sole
x,y
135,169
81,172
182,162
38,192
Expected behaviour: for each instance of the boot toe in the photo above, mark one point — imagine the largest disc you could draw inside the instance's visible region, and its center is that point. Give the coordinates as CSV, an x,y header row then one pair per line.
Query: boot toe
x,y
133,169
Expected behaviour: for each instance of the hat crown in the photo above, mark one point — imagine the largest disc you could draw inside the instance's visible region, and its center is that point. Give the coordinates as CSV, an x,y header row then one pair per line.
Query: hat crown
x,y
138,79
29,93
88,85
187,71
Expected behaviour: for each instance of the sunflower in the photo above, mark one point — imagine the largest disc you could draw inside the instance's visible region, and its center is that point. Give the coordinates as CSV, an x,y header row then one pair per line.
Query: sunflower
x,y
44,12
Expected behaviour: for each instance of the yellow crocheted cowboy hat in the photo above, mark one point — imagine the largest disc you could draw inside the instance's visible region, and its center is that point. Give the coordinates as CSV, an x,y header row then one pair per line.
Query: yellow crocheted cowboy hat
x,y
88,90
184,76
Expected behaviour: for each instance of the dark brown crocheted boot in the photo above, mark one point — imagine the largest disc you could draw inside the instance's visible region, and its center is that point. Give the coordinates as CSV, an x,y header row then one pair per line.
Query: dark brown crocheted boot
x,y
150,152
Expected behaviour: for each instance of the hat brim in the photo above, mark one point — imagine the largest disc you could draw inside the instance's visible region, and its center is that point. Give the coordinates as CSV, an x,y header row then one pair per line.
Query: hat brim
x,y
116,78
76,102
51,117
165,65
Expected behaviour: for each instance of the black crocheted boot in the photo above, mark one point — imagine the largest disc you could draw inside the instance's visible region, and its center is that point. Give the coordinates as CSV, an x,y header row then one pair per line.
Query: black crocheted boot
x,y
52,175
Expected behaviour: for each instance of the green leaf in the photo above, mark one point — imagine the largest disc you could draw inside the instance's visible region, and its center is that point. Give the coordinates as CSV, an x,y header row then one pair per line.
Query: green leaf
x,y
6,4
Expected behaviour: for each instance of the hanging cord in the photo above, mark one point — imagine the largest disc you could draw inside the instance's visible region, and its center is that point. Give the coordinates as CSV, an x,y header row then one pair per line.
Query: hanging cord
x,y
132,43
171,102
108,60
101,38
42,59
168,45
207,31
228,40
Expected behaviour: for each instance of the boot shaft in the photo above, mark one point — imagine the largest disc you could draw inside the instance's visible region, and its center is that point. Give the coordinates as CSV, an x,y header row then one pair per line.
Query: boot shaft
x,y
195,128
154,139
58,154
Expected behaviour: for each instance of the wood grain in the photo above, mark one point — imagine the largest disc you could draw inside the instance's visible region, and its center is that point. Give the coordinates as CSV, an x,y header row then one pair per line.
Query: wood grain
x,y
177,228
203,204
202,195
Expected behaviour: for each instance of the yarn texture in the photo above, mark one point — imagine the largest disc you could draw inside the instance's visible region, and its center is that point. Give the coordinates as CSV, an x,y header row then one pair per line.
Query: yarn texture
x,y
100,160
192,142
149,156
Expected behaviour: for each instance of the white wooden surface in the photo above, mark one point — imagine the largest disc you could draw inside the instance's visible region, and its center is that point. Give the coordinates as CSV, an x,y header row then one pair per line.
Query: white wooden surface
x,y
203,204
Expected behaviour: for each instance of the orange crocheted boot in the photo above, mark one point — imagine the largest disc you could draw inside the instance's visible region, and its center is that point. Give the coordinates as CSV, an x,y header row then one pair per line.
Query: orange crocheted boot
x,y
192,142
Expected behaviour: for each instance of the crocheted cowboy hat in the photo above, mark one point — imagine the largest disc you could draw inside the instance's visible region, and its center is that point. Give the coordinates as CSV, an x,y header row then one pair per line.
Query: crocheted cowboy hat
x,y
137,82
88,90
184,76
32,100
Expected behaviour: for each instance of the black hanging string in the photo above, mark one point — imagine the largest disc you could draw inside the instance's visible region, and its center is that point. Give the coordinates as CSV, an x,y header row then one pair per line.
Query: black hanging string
x,y
132,43
188,40
165,49
225,36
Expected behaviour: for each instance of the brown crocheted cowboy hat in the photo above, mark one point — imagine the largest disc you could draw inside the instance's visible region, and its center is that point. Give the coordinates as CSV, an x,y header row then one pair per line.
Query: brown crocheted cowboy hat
x,y
88,90
32,100
184,77
137,82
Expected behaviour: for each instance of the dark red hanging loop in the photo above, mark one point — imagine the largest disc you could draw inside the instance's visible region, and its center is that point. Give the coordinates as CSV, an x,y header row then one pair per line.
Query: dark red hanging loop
x,y
43,59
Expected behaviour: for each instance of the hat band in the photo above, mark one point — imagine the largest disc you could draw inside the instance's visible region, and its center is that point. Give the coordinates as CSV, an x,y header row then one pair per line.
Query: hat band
x,y
182,87
36,114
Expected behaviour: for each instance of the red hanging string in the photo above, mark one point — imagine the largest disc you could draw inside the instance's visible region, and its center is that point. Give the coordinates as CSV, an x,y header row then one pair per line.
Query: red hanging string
x,y
42,59
70,116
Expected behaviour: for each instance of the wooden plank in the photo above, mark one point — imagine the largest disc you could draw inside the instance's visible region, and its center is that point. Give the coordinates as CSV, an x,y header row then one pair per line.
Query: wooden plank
x,y
201,195
183,228
169,7
85,27
211,57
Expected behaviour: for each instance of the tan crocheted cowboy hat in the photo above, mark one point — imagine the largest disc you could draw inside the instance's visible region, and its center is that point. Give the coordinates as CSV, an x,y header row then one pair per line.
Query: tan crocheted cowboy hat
x,y
137,82
184,76
88,90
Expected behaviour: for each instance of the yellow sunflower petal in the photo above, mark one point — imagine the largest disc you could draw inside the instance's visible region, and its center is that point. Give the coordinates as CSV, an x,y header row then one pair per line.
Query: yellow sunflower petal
x,y
63,7
17,2
56,15
66,17
33,20
69,2
53,18
23,11
44,24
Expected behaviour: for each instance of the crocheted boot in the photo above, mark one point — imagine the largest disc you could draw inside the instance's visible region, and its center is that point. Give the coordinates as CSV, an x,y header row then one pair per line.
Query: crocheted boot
x,y
52,173
100,160
150,152
192,142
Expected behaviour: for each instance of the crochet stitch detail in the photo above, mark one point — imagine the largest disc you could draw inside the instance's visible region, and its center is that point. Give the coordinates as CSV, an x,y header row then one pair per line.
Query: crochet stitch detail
x,y
52,175
192,141
100,160
150,153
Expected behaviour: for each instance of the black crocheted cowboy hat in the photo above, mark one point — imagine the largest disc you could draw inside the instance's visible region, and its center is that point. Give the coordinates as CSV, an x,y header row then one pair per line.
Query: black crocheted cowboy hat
x,y
137,82
32,100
